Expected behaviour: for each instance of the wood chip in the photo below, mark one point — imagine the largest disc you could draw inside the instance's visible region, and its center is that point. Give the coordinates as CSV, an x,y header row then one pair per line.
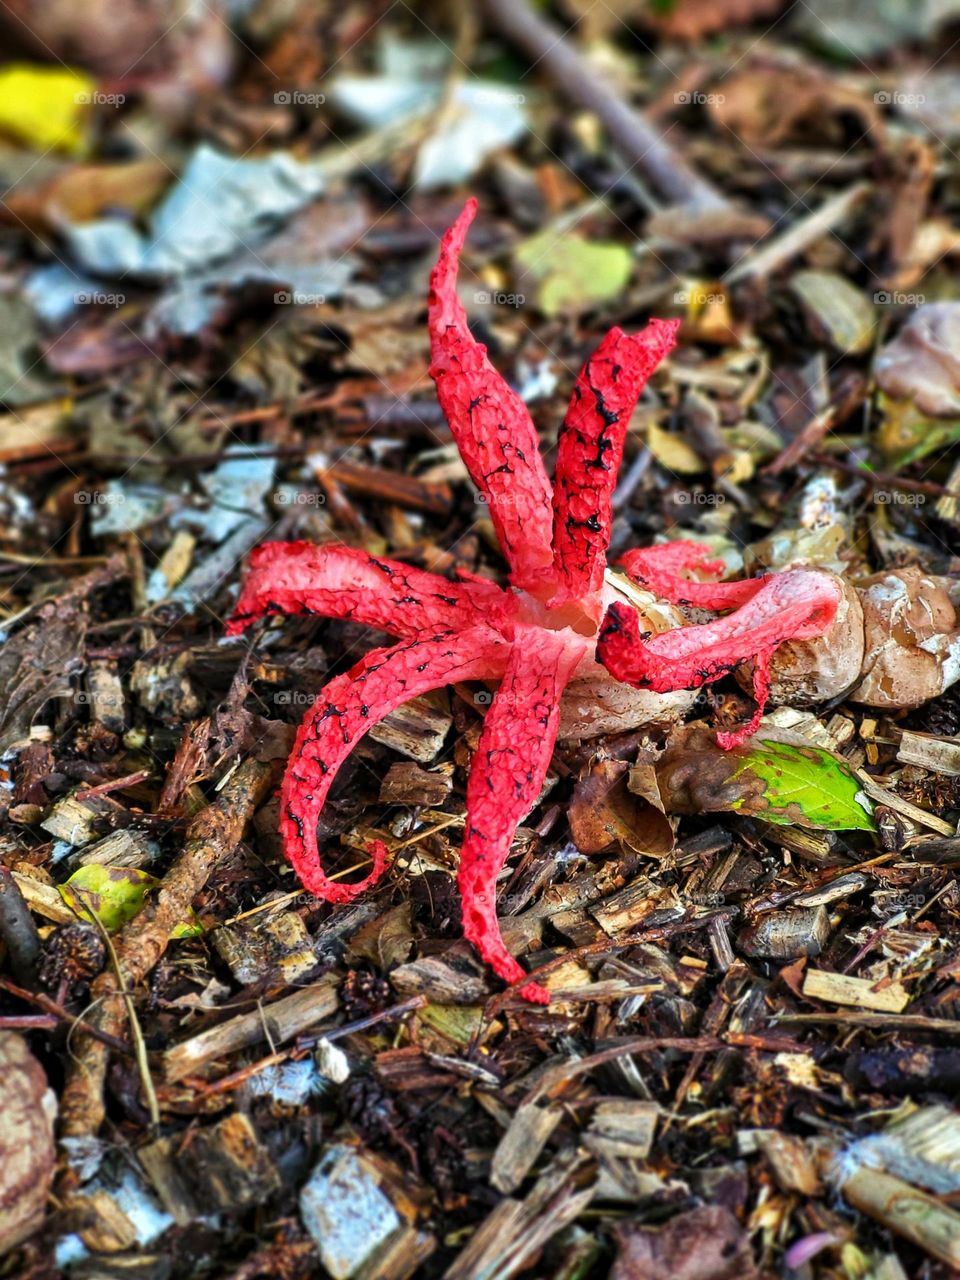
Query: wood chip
x,y
278,1022
409,784
623,1128
907,1212
784,935
841,988
221,1169
519,1148
939,755
278,945
791,1160
418,729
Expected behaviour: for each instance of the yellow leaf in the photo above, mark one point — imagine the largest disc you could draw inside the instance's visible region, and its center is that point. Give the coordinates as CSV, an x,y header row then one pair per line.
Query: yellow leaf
x,y
673,452
114,895
43,106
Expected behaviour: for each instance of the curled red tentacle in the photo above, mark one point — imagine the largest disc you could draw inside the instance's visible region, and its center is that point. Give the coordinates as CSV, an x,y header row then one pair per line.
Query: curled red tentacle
x,y
590,449
659,569
343,712
336,581
506,777
795,605
490,423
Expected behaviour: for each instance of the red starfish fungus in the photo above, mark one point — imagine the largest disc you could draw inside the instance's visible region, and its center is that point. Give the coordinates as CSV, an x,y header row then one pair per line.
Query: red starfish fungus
x,y
532,638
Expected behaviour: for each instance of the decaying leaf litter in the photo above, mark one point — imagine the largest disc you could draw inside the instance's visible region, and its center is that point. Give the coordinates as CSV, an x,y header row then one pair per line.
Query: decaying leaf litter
x,y
214,337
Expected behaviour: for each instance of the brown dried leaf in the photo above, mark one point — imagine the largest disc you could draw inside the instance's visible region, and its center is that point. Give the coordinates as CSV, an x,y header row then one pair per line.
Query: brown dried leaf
x,y
704,1244
387,940
26,1142
922,363
770,104
604,810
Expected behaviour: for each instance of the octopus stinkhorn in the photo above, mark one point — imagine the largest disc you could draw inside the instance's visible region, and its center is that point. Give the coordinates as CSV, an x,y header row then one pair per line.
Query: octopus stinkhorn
x,y
535,636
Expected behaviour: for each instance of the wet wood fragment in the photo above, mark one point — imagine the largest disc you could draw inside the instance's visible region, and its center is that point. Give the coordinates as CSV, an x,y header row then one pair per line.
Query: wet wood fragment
x,y
277,1022
859,993
418,729
907,1212
409,784
520,1147
784,935
220,1169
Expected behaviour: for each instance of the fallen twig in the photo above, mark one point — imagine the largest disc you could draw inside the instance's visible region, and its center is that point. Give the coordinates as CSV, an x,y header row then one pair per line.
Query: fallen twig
x,y
641,144
211,835
18,931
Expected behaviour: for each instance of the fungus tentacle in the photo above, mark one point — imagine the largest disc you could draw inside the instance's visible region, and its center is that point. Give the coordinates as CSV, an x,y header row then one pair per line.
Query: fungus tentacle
x,y
337,581
590,449
795,605
344,710
659,569
490,423
506,777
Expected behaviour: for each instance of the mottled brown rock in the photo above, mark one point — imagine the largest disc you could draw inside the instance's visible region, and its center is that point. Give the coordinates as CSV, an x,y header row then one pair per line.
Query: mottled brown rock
x,y
26,1141
911,650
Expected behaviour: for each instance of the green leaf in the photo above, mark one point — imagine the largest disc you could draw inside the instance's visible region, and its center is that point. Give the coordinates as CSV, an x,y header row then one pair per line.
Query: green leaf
x,y
906,435
114,895
805,786
787,783
573,273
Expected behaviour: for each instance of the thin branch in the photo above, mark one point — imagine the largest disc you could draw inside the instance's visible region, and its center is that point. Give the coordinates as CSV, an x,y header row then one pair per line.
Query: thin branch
x,y
640,143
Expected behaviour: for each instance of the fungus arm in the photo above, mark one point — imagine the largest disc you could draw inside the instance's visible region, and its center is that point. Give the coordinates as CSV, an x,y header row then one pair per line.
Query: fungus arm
x,y
798,604
343,712
490,423
506,777
337,581
659,569
590,449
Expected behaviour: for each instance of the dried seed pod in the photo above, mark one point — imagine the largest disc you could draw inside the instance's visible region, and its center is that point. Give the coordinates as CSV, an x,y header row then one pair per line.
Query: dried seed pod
x,y
71,953
912,647
806,672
